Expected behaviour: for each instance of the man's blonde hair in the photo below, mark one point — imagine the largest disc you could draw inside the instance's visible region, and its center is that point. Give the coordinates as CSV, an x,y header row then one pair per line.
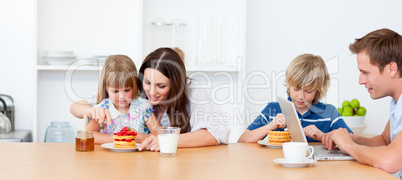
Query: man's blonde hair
x,y
308,70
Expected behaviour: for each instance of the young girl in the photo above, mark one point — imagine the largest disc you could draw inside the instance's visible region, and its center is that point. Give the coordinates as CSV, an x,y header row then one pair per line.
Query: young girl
x,y
307,81
117,92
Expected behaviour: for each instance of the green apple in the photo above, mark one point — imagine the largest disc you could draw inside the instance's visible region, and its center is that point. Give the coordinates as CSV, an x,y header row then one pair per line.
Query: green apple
x,y
345,104
347,111
361,111
354,103
340,110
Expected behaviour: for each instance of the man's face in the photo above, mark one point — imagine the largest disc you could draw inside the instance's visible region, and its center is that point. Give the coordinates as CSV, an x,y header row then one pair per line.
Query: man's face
x,y
370,76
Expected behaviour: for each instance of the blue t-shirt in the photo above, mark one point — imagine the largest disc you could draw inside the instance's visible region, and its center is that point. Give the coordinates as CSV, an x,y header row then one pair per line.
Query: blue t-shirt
x,y
324,116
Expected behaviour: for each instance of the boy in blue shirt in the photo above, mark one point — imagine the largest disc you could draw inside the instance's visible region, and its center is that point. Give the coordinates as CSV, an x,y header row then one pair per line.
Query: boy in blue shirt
x,y
307,81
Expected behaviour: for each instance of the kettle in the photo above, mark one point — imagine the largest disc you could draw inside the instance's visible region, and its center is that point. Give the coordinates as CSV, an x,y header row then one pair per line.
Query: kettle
x,y
5,124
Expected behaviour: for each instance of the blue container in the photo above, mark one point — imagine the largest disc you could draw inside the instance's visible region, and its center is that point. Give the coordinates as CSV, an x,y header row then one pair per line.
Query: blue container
x,y
59,132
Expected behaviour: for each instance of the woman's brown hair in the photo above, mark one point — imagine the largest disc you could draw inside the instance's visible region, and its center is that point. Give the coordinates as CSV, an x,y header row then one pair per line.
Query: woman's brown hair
x,y
168,62
119,71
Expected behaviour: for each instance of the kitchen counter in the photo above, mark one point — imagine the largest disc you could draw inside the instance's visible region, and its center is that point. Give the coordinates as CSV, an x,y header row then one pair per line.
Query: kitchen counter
x,y
17,136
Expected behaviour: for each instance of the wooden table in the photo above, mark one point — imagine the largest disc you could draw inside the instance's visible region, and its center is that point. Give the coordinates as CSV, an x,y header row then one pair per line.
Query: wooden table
x,y
233,161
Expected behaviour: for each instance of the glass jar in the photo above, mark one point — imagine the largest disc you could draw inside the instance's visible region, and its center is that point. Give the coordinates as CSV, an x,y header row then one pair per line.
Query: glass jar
x,y
59,132
84,143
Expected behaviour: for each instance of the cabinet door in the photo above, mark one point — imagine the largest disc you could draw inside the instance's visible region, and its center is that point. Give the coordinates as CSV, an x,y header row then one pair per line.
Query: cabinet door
x,y
89,28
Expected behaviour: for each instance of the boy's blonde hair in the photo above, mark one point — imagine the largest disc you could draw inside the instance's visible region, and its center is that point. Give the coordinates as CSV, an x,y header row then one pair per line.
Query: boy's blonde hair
x,y
119,71
308,70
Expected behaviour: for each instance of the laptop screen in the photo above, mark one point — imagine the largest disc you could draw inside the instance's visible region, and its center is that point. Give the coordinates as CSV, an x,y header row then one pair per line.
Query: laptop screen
x,y
292,120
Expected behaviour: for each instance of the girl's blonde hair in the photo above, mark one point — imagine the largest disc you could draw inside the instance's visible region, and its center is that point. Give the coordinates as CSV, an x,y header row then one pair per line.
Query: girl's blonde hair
x,y
119,71
308,70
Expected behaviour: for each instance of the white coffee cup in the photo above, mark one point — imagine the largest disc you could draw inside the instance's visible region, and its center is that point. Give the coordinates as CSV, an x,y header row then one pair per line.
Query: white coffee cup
x,y
297,151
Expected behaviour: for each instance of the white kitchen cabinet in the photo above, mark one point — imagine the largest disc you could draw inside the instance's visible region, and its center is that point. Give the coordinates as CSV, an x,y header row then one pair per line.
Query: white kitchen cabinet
x,y
213,34
89,28
217,28
94,27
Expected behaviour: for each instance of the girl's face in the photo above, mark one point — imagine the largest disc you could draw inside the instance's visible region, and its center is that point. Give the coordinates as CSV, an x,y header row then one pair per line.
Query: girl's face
x,y
156,86
302,98
120,97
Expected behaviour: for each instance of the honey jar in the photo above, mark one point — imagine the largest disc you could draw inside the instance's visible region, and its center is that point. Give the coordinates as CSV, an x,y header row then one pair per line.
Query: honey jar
x,y
84,143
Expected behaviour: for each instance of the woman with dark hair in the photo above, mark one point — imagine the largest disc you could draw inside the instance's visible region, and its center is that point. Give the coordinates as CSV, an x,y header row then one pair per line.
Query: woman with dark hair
x,y
176,103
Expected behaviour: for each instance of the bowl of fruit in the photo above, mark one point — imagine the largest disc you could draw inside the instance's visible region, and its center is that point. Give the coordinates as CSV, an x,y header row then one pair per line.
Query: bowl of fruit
x,y
353,114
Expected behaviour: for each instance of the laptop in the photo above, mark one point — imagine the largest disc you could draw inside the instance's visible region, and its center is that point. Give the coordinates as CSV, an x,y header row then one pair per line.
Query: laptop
x,y
297,133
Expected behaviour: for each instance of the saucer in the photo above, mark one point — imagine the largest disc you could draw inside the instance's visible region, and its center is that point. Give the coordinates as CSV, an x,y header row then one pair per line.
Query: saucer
x,y
285,163
265,143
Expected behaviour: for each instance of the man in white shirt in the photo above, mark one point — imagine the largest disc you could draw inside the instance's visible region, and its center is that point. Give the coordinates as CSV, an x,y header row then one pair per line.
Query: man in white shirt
x,y
379,59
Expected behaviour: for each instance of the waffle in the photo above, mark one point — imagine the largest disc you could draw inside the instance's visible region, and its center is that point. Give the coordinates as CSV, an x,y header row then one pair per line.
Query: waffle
x,y
278,137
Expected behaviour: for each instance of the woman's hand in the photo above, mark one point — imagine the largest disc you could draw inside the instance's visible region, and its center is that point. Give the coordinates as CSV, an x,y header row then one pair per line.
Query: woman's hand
x,y
313,132
100,114
151,143
278,121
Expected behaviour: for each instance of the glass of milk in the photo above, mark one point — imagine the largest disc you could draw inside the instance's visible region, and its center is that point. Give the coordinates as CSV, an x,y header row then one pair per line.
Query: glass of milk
x,y
168,138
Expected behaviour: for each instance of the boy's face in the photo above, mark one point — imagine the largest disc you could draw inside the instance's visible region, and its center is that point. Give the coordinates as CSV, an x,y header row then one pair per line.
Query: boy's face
x,y
120,97
371,77
302,98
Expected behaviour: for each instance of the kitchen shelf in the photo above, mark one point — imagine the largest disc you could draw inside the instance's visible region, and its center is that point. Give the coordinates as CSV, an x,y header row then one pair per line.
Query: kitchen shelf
x,y
212,69
64,68
95,68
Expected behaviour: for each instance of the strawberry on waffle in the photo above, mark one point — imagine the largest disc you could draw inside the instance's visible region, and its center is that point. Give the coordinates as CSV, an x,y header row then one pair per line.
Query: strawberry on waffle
x,y
125,138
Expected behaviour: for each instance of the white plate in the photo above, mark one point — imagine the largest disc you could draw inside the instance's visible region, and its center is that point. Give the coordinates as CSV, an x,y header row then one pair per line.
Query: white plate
x,y
112,148
265,143
284,163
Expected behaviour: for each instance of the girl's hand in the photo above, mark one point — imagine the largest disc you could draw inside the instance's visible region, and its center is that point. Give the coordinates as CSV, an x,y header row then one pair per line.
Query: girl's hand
x,y
278,121
151,143
313,132
100,114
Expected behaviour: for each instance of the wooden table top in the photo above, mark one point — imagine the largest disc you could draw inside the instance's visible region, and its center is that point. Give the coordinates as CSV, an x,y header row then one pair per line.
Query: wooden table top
x,y
233,161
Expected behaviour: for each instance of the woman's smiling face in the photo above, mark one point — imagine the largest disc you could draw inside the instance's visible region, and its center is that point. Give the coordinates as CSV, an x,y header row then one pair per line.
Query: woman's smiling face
x,y
156,86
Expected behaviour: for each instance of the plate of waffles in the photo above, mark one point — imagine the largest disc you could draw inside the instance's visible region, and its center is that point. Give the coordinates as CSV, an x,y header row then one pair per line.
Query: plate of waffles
x,y
275,139
267,144
111,147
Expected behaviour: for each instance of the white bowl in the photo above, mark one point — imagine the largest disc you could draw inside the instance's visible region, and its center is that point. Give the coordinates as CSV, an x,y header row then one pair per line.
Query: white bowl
x,y
357,129
59,53
353,120
58,62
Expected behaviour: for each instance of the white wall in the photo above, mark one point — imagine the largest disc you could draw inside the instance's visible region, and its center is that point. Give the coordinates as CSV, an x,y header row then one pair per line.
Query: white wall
x,y
278,31
17,55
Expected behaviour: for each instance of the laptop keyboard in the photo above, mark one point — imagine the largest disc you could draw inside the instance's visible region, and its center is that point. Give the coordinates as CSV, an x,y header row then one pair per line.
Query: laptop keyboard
x,y
319,150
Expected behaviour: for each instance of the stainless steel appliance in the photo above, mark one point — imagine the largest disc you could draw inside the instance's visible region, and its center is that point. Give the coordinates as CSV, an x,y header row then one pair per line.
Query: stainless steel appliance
x,y
7,108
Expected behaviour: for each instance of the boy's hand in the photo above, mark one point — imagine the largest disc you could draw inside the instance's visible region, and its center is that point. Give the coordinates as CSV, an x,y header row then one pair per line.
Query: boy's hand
x,y
313,132
100,114
279,121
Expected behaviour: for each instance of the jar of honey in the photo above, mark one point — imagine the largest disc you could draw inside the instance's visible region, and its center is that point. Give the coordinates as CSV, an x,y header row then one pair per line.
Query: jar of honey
x,y
84,143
